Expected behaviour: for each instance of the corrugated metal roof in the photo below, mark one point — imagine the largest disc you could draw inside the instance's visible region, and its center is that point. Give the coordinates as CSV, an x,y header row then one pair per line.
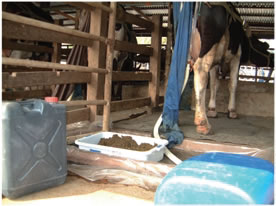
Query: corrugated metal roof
x,y
258,15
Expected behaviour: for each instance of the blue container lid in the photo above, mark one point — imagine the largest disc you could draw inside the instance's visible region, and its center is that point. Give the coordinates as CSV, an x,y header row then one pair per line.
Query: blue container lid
x,y
218,178
235,159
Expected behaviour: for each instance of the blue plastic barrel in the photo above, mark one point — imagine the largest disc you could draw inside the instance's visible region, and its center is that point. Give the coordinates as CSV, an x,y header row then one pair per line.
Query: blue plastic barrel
x,y
33,146
218,178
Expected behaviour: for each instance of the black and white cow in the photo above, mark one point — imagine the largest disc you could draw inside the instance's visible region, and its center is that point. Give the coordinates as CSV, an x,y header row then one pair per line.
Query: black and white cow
x,y
220,45
123,61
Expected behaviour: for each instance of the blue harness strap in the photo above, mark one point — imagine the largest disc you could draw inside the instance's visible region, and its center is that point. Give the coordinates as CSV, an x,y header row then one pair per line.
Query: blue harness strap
x,y
183,28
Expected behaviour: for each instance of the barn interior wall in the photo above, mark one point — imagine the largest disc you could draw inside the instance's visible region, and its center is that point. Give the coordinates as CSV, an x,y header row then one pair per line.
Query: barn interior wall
x,y
138,91
252,99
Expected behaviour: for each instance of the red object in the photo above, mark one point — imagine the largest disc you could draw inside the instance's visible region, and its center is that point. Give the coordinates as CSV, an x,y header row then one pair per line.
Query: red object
x,y
51,99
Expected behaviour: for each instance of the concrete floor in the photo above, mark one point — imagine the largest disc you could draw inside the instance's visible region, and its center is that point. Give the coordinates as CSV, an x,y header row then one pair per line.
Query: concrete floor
x,y
78,191
250,131
244,134
247,134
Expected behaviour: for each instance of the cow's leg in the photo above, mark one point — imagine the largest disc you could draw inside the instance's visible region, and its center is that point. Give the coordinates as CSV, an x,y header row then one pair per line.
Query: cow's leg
x,y
200,83
234,69
214,84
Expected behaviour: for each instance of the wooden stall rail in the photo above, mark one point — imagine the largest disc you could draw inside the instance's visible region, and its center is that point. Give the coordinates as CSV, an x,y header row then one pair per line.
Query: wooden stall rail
x,y
49,65
132,19
83,102
120,14
131,47
91,6
28,79
19,27
7,44
81,114
14,95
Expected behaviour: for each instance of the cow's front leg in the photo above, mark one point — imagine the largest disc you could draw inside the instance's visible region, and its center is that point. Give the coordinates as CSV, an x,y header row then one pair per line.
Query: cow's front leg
x,y
214,84
234,67
200,83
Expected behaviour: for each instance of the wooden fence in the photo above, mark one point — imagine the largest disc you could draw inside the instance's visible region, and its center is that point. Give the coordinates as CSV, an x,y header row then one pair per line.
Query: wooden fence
x,y
19,73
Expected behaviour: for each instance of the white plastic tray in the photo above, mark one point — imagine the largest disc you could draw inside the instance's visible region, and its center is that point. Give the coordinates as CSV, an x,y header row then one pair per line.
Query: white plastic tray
x,y
90,143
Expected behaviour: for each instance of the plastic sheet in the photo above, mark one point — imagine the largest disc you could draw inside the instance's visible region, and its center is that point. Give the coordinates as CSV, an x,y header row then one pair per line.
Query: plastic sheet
x,y
79,128
107,162
266,154
118,176
207,146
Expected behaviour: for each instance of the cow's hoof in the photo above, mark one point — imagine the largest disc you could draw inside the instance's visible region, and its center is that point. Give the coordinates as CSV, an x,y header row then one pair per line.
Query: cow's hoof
x,y
205,130
232,115
212,113
199,121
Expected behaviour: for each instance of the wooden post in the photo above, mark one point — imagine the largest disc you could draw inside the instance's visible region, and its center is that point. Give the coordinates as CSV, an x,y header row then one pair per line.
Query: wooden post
x,y
109,64
155,60
56,55
77,19
96,58
169,45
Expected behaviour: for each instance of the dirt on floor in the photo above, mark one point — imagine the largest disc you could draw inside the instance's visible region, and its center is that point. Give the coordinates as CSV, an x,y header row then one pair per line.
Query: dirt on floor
x,y
78,191
125,142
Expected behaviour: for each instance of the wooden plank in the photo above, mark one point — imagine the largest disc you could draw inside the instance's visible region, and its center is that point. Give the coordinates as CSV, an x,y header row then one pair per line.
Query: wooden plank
x,y
100,6
131,76
132,19
109,65
77,115
25,79
155,61
66,15
140,12
134,48
82,5
146,33
10,69
130,104
17,31
169,45
19,27
26,94
82,102
49,65
56,56
7,44
96,58
91,6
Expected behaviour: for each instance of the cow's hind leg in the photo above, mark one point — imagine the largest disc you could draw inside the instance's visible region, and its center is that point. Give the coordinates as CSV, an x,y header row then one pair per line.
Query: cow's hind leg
x,y
200,81
214,84
234,69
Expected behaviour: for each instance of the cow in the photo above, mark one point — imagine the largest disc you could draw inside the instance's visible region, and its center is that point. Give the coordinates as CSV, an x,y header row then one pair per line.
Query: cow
x,y
123,61
220,45
30,10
